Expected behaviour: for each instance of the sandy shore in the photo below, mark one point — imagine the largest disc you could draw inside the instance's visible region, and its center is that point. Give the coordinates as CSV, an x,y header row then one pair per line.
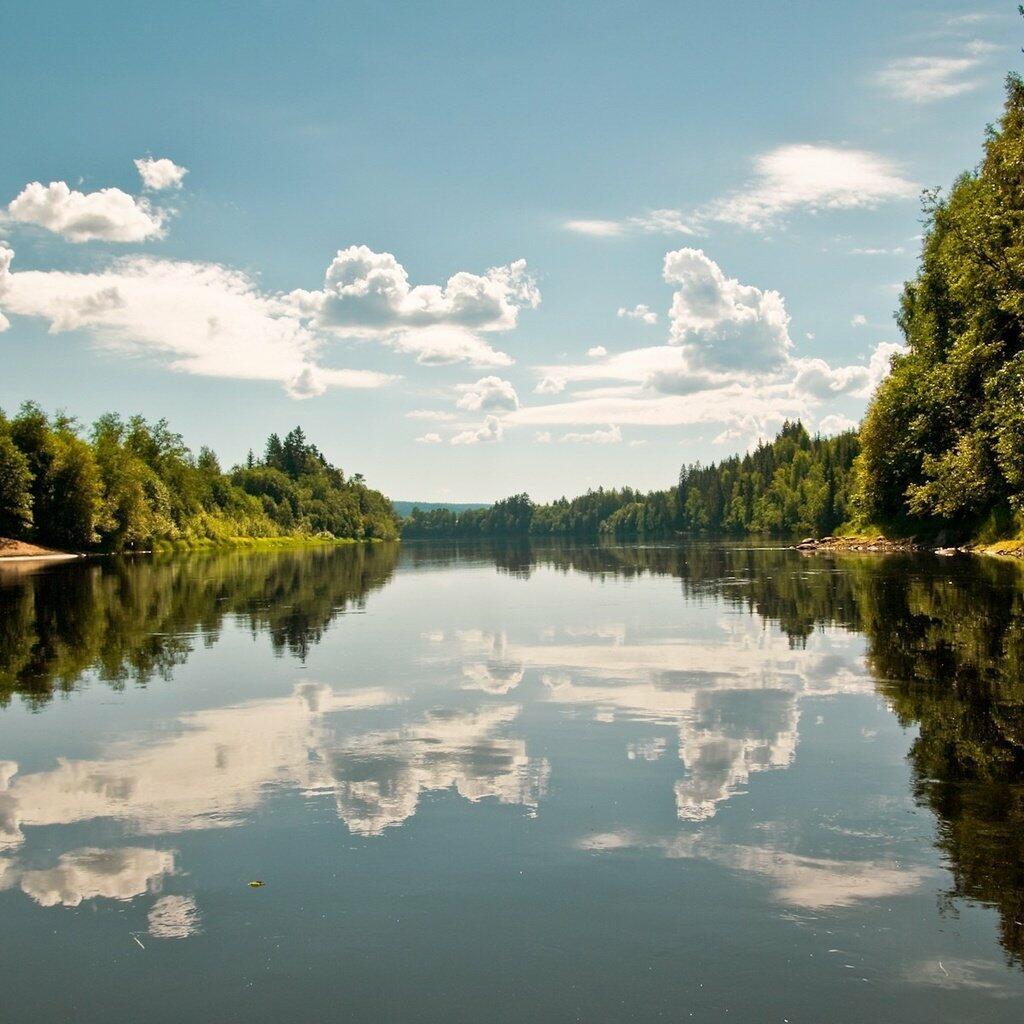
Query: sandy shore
x,y
21,551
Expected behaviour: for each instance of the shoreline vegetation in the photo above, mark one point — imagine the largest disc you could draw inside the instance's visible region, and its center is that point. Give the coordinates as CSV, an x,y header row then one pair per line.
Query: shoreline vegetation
x,y
937,463
131,485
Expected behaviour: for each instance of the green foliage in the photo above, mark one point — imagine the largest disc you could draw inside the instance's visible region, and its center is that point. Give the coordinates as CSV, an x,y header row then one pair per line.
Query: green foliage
x,y
134,483
943,439
15,485
795,484
67,492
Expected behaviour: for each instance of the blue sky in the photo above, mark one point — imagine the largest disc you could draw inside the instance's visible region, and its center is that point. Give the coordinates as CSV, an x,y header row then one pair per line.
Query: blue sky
x,y
411,228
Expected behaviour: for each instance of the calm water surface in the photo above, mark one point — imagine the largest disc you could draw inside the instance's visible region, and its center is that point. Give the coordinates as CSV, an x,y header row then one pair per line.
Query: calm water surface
x,y
511,784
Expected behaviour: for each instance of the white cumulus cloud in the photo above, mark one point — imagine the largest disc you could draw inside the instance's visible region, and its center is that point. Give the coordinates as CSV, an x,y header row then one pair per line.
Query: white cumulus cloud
x,y
160,174
550,385
722,325
597,351
199,318
488,394
431,438
731,363
490,430
817,379
108,215
367,294
639,312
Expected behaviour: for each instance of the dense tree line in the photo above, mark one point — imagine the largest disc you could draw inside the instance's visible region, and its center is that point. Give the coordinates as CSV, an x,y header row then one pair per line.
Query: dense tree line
x,y
793,485
943,439
126,484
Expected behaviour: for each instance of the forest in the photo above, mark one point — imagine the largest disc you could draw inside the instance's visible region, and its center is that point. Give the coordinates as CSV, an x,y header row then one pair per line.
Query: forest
x,y
796,484
129,484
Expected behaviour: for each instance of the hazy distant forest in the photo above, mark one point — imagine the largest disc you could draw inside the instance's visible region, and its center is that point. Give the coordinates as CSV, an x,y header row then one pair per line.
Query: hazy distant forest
x,y
941,447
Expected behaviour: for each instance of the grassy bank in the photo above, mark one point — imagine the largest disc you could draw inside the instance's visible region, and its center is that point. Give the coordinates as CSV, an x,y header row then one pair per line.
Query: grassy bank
x,y
256,543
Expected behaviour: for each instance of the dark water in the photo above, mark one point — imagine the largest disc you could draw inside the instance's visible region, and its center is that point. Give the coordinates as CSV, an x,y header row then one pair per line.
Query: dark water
x,y
488,785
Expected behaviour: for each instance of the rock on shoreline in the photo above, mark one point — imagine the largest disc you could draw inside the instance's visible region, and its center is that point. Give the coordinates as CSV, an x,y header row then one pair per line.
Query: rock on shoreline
x,y
883,545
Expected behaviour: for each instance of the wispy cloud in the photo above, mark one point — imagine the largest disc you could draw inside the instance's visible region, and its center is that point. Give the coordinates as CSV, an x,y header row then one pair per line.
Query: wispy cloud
x,y
436,415
811,178
803,177
596,228
926,79
896,250
610,436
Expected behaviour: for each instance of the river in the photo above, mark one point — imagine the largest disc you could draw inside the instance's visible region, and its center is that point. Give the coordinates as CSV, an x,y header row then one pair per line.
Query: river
x,y
512,783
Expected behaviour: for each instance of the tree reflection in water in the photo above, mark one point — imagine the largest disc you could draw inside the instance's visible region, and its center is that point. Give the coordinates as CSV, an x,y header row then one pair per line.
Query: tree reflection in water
x,y
134,619
945,646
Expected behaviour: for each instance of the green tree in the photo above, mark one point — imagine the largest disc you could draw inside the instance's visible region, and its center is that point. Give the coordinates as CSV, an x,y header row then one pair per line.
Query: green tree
x,y
15,486
943,438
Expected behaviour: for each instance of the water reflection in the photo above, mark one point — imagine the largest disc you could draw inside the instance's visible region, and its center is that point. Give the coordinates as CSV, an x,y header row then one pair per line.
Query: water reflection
x,y
732,699
813,883
133,620
215,769
704,684
379,777
79,875
945,646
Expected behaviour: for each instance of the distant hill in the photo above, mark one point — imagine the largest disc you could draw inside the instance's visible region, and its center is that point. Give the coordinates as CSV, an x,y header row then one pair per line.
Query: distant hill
x,y
403,508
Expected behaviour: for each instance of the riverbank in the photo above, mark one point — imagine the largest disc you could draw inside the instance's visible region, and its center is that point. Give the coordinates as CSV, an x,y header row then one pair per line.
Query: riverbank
x,y
262,543
1013,548
22,551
